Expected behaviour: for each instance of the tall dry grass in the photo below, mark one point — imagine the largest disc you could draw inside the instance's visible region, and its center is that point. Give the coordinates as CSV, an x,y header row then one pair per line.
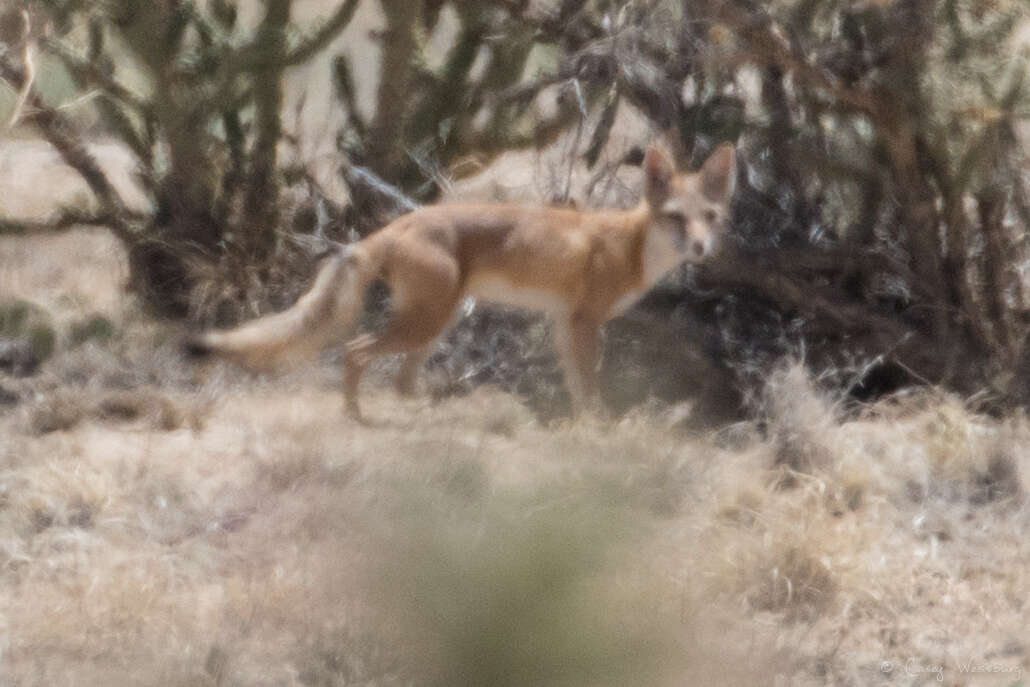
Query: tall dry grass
x,y
166,525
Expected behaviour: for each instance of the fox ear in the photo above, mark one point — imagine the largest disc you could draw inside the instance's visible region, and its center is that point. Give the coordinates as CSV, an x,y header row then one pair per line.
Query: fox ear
x,y
658,173
719,174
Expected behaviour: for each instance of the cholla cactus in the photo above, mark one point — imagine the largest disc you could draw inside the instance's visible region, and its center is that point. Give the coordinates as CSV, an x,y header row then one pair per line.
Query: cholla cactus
x,y
214,180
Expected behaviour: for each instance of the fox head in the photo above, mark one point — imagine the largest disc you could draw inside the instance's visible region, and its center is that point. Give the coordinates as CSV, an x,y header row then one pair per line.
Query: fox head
x,y
688,211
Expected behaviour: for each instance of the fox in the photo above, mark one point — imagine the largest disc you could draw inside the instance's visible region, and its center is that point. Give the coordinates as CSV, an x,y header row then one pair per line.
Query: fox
x,y
580,267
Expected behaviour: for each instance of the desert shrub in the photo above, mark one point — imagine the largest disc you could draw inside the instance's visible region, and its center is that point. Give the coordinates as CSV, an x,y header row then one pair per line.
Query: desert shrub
x,y
28,322
880,212
501,599
94,328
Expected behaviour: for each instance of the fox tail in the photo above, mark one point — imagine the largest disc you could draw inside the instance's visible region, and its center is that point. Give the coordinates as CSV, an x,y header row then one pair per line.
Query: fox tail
x,y
328,308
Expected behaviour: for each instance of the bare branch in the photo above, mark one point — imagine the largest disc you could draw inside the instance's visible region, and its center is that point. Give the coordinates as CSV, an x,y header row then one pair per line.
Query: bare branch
x,y
29,60
325,35
361,179
255,58
61,134
63,220
766,47
92,73
738,270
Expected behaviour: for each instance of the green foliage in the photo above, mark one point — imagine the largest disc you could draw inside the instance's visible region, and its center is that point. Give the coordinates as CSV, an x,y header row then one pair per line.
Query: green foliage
x,y
518,593
31,323
96,328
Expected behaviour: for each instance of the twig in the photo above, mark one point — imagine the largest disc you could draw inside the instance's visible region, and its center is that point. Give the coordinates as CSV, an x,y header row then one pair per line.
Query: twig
x,y
361,177
254,57
92,73
28,57
577,137
330,30
64,220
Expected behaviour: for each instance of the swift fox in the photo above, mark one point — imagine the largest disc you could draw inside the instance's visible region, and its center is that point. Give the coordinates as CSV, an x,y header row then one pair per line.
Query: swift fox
x,y
582,268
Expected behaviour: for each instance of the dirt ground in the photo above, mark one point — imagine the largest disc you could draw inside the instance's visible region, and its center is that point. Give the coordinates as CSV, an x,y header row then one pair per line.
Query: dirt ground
x,y
164,524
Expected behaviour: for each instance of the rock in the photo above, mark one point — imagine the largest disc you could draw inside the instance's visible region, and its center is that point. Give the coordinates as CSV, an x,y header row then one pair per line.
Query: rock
x,y
17,358
27,334
8,398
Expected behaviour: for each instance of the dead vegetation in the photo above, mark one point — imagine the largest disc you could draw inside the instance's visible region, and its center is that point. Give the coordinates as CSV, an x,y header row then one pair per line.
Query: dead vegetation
x,y
184,527
880,213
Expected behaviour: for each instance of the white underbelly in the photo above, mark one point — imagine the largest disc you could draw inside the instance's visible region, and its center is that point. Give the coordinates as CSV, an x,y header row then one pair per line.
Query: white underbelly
x,y
500,290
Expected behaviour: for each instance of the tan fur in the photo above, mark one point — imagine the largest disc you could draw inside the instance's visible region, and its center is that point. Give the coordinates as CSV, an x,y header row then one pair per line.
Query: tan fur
x,y
583,268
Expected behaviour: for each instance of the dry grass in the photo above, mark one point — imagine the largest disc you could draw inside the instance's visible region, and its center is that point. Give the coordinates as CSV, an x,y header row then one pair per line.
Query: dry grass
x,y
161,525
70,274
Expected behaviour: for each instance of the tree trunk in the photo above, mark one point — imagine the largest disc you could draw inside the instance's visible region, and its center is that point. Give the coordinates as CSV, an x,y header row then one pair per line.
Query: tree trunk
x,y
261,211
385,152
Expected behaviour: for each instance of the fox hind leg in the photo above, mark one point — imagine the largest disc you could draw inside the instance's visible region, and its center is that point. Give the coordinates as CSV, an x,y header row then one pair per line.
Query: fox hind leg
x,y
405,382
408,333
426,293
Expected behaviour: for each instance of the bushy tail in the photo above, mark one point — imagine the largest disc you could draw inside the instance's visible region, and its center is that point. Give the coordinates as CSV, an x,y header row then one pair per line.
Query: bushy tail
x,y
328,308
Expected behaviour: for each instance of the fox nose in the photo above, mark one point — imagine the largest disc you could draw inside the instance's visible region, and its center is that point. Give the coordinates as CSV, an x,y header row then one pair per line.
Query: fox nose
x,y
699,248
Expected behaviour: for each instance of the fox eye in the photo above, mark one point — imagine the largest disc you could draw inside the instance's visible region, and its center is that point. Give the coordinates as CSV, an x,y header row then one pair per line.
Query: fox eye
x,y
677,218
711,216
